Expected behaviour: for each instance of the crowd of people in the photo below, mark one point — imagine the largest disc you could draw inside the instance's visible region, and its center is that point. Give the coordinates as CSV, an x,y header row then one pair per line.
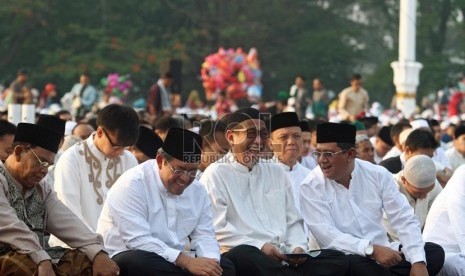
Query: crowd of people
x,y
257,190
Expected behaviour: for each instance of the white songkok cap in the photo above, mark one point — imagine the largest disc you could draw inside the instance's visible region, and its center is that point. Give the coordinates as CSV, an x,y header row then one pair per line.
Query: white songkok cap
x,y
419,123
404,134
420,171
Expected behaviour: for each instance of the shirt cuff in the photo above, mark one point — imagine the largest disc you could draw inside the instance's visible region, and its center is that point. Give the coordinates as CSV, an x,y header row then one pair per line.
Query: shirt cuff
x,y
171,255
361,247
39,256
91,250
415,256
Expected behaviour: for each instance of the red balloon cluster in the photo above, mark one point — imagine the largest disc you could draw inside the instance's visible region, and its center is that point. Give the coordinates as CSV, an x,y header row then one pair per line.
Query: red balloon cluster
x,y
232,71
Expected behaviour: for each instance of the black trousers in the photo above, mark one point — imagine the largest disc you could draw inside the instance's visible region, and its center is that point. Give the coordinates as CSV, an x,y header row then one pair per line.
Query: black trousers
x,y
144,263
249,260
361,266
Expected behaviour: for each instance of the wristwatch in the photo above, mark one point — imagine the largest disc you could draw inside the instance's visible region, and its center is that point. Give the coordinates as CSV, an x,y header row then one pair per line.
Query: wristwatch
x,y
369,250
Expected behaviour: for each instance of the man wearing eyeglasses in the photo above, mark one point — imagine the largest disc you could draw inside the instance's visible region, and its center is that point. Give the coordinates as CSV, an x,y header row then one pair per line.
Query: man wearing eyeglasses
x,y
30,210
254,213
154,209
86,171
342,202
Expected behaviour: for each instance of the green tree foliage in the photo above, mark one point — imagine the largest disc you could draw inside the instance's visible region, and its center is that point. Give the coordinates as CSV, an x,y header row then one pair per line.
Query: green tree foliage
x,y
56,40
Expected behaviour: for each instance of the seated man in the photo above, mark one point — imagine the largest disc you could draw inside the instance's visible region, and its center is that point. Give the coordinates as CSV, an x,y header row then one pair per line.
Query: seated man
x,y
154,209
417,182
86,171
342,202
30,209
286,143
445,224
254,213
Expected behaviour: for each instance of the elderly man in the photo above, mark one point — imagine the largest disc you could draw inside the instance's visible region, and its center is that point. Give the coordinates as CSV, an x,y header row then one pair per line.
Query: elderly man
x,y
417,182
30,209
445,224
286,143
86,171
154,209
343,200
254,212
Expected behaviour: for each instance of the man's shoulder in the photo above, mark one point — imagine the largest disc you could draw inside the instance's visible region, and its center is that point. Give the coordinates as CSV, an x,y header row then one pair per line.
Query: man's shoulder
x,y
392,164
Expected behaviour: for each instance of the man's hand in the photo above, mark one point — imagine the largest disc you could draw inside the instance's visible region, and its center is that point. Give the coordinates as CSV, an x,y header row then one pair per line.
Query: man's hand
x,y
199,265
296,262
104,266
271,251
45,268
419,269
385,256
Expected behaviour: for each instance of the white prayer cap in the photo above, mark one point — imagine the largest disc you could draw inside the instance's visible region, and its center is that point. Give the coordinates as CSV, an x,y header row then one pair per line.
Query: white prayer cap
x,y
404,134
69,127
419,123
361,137
420,171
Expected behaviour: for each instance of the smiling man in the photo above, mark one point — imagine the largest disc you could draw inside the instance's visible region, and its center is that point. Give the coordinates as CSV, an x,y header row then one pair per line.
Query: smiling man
x,y
342,202
154,209
31,210
254,213
86,171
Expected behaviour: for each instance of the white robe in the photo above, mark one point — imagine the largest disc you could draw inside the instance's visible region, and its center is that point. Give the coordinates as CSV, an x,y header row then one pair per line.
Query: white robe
x,y
295,175
445,224
141,214
253,207
455,158
83,176
349,219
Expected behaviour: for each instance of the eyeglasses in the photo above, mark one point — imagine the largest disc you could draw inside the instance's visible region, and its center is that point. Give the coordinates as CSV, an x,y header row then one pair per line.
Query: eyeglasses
x,y
113,145
42,164
252,133
177,172
326,154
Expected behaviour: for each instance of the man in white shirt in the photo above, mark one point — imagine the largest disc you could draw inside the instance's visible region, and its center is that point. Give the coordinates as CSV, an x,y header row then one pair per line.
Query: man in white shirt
x,y
445,224
286,143
417,182
456,154
154,209
86,171
308,136
342,202
254,213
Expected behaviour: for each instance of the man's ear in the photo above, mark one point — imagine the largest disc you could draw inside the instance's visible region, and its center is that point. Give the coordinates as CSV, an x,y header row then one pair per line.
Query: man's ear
x,y
159,161
352,153
230,137
17,151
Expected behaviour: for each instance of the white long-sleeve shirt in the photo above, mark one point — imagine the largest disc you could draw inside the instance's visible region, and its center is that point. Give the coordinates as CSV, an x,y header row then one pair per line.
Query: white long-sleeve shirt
x,y
421,206
445,224
296,175
455,158
83,176
141,214
253,207
349,219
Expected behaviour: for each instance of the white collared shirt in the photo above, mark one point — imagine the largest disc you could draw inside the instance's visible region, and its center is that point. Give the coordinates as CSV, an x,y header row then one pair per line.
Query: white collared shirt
x,y
141,214
349,219
253,207
445,224
296,175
